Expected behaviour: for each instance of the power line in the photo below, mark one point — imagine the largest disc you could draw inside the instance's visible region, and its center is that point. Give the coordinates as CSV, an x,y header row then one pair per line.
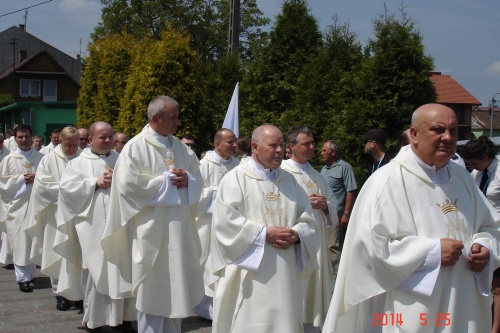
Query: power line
x,y
16,11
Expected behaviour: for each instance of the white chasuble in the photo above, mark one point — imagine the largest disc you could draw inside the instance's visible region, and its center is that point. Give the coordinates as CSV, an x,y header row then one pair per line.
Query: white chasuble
x,y
212,170
398,216
81,217
41,225
154,242
267,299
48,149
317,288
11,143
4,152
15,194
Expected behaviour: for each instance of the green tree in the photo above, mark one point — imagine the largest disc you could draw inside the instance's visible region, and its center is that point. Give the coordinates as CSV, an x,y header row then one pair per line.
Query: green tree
x,y
6,99
104,79
323,79
206,22
163,67
272,79
224,78
392,83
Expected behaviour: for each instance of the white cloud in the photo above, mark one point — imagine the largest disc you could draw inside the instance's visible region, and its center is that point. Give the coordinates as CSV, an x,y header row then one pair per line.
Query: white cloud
x,y
494,69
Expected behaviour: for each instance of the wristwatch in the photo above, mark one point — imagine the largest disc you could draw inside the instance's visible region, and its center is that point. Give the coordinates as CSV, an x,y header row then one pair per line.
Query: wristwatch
x,y
348,214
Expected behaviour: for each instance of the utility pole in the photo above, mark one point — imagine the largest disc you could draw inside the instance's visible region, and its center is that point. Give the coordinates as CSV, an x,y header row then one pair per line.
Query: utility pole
x,y
234,27
492,113
13,42
25,18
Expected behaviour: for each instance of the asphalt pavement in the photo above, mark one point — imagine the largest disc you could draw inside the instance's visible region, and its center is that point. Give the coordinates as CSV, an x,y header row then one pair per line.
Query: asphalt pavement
x,y
36,312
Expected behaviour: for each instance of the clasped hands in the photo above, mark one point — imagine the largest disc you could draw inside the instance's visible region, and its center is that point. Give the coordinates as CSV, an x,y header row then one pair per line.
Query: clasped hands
x,y
281,237
104,180
318,201
451,250
180,179
29,178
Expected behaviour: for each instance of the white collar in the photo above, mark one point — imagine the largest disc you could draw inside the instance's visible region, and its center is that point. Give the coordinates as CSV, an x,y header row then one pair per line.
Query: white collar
x,y
219,158
165,140
303,167
24,153
439,177
262,172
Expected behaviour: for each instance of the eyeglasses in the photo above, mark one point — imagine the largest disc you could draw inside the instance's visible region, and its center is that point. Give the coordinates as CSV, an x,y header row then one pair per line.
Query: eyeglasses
x,y
84,139
122,142
191,145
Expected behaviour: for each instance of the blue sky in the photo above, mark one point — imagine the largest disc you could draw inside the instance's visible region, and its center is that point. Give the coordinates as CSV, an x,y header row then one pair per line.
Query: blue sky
x,y
462,36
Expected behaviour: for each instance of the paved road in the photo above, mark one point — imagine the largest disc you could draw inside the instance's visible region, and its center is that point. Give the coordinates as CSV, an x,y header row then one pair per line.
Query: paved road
x,y
36,311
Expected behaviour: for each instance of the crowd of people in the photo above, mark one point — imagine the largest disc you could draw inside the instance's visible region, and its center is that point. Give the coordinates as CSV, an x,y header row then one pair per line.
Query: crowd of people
x,y
250,235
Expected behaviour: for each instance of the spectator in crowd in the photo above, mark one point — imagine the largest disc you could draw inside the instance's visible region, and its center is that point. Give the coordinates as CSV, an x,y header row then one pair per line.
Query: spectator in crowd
x,y
481,154
340,178
189,141
375,140
243,148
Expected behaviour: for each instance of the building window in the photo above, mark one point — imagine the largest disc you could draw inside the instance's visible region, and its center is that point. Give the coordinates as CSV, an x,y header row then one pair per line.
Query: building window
x,y
49,90
29,88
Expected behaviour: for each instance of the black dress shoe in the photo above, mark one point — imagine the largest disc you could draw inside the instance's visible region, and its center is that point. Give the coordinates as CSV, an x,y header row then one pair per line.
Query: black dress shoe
x,y
78,304
62,303
97,329
25,287
125,327
9,267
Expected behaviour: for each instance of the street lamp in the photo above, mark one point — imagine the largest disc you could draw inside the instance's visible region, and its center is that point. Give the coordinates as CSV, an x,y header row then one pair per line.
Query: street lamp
x,y
492,111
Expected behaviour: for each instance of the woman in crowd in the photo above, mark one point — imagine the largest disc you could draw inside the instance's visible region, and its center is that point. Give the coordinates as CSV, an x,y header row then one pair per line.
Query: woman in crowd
x,y
481,155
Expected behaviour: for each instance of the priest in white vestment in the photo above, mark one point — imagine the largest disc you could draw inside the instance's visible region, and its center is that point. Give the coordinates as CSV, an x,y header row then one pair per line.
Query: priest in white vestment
x,y
82,214
422,242
84,139
317,288
17,173
4,151
41,224
213,167
54,141
10,142
152,235
263,235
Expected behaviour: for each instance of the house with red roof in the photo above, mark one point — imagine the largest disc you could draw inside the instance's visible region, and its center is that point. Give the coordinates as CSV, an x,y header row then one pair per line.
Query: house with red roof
x,y
43,81
452,94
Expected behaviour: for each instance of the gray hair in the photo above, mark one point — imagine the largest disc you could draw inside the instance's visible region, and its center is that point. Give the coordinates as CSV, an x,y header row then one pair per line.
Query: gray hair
x,y
293,133
333,146
159,104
